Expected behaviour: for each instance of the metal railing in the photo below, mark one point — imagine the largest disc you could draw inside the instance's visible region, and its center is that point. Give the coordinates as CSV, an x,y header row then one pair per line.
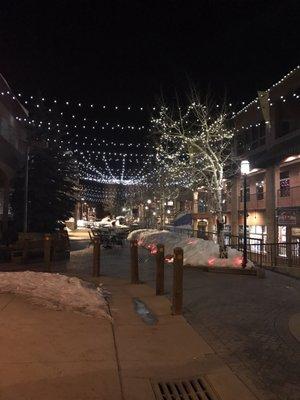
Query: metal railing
x,y
255,201
285,254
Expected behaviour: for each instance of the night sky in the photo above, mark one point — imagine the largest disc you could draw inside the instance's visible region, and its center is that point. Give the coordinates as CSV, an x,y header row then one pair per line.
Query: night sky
x,y
128,52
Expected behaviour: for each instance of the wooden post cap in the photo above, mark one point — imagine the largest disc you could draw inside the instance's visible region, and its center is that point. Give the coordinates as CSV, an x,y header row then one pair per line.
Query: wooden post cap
x,y
178,253
160,248
178,250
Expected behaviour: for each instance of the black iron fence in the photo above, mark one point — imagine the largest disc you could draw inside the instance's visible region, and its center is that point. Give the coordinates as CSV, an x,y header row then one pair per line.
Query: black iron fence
x,y
285,254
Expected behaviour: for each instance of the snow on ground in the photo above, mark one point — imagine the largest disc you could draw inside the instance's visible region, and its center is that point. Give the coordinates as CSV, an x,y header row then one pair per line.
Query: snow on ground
x,y
56,291
196,252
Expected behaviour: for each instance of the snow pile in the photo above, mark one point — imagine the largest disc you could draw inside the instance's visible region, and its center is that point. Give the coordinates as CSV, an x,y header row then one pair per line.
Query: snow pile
x,y
196,251
56,291
111,223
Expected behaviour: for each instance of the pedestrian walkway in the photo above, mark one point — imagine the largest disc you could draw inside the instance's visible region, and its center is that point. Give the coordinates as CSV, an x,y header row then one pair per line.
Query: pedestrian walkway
x,y
244,319
250,323
55,355
294,326
46,354
166,350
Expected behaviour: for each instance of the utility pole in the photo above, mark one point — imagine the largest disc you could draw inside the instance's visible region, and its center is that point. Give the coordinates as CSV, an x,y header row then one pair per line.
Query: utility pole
x,y
25,222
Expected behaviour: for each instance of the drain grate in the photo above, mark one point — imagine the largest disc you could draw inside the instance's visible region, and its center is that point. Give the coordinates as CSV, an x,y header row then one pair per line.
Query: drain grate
x,y
189,389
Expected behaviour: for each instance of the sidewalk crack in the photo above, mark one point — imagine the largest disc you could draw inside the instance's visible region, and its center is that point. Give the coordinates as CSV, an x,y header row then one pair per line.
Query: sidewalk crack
x,y
117,354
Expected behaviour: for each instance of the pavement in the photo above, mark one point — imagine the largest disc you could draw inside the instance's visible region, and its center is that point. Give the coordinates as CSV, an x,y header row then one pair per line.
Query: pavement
x,y
244,319
62,355
239,332
46,354
294,325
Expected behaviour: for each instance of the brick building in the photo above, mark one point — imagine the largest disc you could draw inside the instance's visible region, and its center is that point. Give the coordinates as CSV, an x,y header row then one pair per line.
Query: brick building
x,y
12,146
267,133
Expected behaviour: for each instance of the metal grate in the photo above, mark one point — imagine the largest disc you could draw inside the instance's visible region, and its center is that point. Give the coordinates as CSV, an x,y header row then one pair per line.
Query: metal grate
x,y
191,389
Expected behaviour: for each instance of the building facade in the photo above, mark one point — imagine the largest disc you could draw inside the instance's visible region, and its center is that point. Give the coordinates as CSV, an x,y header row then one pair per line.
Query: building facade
x,y
267,133
12,146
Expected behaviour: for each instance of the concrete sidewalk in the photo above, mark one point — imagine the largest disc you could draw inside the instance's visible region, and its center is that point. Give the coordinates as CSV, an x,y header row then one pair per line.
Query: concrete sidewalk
x,y
167,350
46,354
54,355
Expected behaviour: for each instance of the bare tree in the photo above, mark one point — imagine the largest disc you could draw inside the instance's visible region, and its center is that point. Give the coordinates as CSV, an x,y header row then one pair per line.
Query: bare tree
x,y
196,142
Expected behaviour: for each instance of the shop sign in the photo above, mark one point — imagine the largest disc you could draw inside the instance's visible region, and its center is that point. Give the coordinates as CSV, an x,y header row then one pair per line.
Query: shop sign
x,y
287,219
295,231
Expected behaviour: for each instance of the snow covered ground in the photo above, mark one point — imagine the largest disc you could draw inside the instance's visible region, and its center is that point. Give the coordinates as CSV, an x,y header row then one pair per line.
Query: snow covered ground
x,y
56,291
196,252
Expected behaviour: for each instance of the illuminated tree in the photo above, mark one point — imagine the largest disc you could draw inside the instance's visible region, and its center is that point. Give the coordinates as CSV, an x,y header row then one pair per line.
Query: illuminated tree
x,y
195,145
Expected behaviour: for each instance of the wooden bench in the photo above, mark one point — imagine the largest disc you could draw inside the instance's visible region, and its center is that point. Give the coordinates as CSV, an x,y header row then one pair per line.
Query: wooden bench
x,y
26,249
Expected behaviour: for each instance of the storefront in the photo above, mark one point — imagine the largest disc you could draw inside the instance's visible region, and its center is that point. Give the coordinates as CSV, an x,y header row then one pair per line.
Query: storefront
x,y
288,222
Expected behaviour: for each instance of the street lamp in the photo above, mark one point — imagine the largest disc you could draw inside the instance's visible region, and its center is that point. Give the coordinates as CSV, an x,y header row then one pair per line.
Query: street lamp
x,y
149,201
245,169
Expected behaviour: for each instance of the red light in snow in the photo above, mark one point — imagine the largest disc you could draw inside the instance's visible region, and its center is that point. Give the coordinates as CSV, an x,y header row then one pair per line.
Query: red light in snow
x,y
211,261
153,248
169,259
237,261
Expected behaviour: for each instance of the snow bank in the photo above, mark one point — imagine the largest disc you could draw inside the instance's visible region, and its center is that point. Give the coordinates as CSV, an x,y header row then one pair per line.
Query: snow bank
x,y
56,291
196,251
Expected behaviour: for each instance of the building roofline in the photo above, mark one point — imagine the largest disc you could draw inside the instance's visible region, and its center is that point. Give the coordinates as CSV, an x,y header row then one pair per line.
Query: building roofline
x,y
16,100
278,83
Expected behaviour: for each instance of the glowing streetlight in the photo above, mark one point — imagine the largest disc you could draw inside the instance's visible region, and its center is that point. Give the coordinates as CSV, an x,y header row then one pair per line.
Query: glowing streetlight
x,y
245,169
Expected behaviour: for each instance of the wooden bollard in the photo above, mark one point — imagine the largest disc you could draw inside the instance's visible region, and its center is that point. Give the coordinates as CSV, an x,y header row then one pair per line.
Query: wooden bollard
x,y
96,257
177,281
160,262
134,261
47,251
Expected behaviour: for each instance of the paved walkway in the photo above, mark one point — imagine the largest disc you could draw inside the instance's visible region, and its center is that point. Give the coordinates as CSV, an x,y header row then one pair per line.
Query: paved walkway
x,y
246,324
54,355
244,319
59,355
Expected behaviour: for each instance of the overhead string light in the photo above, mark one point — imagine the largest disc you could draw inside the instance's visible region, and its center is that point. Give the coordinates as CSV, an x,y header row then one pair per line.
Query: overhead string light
x,y
278,83
85,123
92,106
37,100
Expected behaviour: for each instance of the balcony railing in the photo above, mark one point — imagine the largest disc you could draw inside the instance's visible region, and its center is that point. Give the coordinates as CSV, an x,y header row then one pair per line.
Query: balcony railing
x,y
288,197
255,201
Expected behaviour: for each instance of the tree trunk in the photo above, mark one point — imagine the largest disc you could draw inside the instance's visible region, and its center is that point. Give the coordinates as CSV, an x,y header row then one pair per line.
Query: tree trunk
x,y
220,226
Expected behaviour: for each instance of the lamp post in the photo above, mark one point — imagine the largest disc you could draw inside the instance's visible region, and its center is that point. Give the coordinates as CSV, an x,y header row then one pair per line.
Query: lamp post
x,y
245,169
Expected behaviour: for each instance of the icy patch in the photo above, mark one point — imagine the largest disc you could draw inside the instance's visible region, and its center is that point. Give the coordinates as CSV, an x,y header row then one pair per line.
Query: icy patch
x,y
196,252
56,291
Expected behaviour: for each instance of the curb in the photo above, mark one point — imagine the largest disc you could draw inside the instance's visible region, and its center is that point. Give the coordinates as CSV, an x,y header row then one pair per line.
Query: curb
x,y
226,270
